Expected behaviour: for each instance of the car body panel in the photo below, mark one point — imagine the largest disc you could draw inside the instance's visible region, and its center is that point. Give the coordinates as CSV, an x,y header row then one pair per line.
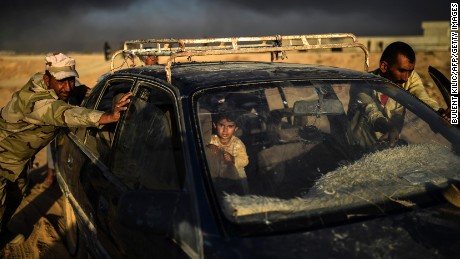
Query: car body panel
x,y
189,219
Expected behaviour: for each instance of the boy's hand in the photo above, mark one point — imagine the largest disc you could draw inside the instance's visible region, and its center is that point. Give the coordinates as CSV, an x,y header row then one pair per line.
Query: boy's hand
x,y
214,149
228,157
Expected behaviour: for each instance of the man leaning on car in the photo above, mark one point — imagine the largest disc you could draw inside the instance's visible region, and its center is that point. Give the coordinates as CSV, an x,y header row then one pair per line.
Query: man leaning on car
x,y
32,118
383,114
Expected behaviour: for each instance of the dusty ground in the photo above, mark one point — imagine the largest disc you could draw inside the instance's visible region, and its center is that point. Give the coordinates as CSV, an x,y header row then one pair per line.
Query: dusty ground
x,y
39,218
41,212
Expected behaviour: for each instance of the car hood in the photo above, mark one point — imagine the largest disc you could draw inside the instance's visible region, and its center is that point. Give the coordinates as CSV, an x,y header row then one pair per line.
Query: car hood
x,y
420,233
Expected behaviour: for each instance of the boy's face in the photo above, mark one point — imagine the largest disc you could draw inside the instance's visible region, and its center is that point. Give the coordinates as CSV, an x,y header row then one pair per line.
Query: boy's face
x,y
225,130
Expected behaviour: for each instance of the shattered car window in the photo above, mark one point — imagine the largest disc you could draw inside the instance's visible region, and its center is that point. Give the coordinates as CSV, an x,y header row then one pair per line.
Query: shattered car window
x,y
317,147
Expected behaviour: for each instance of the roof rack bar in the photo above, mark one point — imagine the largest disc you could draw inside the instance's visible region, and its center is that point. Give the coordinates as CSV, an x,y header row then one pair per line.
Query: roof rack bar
x,y
243,39
174,48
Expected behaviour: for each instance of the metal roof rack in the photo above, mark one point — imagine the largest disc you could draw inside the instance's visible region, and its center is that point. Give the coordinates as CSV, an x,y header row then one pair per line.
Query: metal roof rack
x,y
275,45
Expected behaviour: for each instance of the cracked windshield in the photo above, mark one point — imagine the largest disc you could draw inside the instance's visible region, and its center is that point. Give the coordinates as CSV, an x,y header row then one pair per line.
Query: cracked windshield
x,y
287,149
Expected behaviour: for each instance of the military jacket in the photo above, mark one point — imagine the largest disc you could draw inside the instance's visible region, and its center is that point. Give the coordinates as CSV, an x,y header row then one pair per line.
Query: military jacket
x,y
31,119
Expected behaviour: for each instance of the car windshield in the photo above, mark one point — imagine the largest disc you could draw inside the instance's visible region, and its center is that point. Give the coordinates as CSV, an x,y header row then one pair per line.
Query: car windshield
x,y
278,151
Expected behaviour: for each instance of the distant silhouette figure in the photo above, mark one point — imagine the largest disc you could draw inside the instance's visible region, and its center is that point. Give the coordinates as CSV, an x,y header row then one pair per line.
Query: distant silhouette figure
x,y
107,51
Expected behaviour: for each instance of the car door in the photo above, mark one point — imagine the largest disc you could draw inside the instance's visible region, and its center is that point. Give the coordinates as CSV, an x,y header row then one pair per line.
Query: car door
x,y
444,87
83,153
442,83
140,162
155,215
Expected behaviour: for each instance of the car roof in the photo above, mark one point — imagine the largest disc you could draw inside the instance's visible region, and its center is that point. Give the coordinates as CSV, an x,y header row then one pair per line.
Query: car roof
x,y
200,75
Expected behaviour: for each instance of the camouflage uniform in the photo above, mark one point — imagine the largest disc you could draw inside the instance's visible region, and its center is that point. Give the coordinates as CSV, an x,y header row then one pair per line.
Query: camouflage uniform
x,y
28,123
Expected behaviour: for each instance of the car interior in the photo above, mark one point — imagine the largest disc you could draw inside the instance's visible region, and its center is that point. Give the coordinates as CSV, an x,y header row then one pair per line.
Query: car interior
x,y
277,135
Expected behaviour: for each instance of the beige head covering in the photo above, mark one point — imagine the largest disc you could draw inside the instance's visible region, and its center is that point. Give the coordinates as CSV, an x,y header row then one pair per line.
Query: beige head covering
x,y
60,66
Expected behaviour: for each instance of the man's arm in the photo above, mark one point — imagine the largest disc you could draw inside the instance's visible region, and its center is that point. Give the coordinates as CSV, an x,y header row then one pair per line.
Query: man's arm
x,y
62,114
377,120
414,85
370,107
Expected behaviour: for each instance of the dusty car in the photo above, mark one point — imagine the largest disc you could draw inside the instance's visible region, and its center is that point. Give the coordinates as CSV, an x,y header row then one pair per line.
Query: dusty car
x,y
149,186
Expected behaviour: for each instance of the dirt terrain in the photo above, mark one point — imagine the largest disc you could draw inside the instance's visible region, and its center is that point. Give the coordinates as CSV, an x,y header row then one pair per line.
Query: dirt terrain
x,y
40,213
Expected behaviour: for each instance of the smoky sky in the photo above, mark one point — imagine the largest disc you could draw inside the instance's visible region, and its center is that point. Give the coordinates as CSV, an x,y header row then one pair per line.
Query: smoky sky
x,y
83,26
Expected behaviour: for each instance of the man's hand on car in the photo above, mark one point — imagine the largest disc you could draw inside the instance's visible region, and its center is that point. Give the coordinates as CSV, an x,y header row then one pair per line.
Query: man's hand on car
x,y
392,137
390,133
114,115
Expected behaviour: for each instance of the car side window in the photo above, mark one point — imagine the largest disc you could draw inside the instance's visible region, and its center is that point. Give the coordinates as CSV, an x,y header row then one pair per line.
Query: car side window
x,y
147,152
99,140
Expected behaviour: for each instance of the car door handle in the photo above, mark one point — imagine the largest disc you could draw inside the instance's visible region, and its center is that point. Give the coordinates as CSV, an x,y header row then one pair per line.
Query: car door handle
x,y
70,161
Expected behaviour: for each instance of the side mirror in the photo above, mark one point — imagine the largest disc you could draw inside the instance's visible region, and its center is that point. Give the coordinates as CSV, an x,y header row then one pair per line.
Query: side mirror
x,y
315,107
147,210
